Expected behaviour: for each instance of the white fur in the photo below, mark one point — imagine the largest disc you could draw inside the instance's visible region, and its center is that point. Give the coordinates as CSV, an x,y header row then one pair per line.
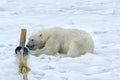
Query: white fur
x,y
71,42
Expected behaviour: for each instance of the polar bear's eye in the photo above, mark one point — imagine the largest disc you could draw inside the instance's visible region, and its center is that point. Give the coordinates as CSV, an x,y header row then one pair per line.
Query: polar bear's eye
x,y
40,35
32,40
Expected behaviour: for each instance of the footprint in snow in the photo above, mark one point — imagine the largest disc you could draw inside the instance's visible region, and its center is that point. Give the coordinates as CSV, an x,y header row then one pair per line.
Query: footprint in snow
x,y
1,46
64,78
97,33
48,67
38,75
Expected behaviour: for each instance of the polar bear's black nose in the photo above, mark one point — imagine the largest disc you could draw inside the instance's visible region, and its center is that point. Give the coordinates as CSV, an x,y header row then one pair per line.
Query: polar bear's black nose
x,y
27,46
30,46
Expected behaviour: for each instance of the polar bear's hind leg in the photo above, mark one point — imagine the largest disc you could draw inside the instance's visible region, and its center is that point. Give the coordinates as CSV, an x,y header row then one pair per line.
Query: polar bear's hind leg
x,y
75,50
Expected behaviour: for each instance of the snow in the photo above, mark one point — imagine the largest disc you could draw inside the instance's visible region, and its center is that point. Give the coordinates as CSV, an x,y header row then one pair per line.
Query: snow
x,y
99,17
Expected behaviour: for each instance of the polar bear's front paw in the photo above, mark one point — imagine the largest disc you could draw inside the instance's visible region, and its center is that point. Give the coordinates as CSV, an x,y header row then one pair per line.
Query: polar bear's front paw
x,y
36,53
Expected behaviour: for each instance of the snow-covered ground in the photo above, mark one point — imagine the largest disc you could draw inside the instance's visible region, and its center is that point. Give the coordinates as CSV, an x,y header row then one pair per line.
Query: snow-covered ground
x,y
101,18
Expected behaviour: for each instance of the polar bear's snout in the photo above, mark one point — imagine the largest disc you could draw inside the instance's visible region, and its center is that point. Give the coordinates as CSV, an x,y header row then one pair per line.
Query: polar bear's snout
x,y
30,45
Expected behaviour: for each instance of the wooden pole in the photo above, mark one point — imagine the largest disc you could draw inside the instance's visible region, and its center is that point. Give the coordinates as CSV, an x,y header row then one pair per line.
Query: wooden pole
x,y
23,68
23,38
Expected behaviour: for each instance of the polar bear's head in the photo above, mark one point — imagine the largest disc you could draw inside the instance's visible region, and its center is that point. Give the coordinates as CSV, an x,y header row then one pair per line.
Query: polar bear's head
x,y
37,40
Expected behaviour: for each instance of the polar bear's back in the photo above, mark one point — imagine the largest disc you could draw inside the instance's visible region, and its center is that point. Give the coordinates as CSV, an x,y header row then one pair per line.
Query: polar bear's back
x,y
69,34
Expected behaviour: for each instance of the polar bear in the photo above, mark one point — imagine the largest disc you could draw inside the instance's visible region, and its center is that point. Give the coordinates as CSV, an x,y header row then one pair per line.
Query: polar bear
x,y
72,42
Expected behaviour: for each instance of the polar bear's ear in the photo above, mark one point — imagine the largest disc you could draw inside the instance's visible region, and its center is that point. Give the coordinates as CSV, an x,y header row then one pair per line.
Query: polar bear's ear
x,y
40,35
